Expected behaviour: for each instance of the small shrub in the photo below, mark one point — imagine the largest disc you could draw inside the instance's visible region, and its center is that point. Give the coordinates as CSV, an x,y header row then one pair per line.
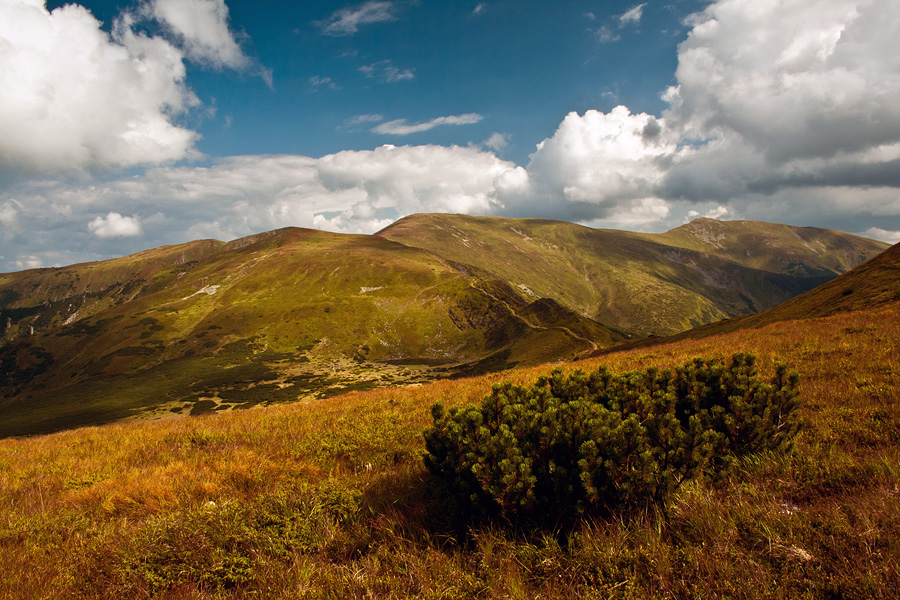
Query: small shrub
x,y
577,443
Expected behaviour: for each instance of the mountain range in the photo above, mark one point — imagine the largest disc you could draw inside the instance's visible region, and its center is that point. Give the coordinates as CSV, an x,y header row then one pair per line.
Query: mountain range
x,y
298,313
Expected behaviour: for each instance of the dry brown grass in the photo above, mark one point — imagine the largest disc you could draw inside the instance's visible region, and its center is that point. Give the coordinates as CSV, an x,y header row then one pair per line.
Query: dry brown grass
x,y
328,499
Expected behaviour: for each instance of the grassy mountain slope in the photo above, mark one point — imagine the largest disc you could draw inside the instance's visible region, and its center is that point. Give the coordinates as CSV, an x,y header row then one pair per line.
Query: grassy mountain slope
x,y
39,299
280,316
873,285
331,500
773,247
653,284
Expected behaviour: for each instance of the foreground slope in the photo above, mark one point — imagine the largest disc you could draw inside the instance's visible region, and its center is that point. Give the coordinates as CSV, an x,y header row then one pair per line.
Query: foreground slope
x,y
653,284
279,316
330,499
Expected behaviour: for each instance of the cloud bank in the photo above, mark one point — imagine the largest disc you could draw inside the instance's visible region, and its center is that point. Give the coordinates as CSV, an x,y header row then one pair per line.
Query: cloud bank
x,y
778,102
345,192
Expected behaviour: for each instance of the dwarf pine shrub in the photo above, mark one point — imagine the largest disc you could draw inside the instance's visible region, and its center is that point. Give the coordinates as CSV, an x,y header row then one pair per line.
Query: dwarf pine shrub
x,y
595,442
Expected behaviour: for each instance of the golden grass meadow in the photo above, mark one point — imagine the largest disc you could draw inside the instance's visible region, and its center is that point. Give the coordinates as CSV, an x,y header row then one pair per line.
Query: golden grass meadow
x,y
330,499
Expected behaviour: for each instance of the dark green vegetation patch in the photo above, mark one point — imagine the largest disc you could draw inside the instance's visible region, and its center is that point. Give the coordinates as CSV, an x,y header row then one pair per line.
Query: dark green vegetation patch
x,y
593,443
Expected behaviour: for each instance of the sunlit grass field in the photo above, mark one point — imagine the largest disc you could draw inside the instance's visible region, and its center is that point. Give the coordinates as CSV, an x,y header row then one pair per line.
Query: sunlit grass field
x,y
329,498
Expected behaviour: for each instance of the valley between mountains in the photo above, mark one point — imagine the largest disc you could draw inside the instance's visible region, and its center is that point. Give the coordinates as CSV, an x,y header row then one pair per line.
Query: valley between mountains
x,y
297,314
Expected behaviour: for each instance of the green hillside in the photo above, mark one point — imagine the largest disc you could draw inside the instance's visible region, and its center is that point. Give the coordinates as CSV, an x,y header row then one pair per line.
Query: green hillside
x,y
653,284
287,315
39,299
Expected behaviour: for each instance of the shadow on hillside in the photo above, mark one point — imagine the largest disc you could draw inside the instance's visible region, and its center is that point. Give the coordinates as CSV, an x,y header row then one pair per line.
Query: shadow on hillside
x,y
416,506
413,503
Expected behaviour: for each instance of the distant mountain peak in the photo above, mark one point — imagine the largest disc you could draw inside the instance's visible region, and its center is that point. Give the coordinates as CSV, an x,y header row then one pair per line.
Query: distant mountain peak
x,y
707,230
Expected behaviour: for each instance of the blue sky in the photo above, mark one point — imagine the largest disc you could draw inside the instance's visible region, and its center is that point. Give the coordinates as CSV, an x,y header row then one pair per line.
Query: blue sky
x,y
521,65
131,125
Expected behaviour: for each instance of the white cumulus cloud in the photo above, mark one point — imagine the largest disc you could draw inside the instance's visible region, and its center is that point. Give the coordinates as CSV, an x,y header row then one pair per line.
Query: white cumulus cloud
x,y
9,213
202,27
793,79
603,165
781,111
74,96
497,142
27,261
114,225
713,213
877,233
789,104
411,179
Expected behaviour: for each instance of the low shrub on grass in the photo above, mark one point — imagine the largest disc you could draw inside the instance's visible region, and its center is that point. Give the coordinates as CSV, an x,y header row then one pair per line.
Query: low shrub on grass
x,y
596,442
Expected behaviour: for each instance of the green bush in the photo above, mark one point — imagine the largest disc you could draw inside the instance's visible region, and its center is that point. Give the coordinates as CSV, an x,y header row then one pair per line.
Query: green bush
x,y
597,442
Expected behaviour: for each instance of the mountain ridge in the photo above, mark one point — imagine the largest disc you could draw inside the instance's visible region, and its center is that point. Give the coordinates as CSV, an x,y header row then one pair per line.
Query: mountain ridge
x,y
607,274
300,313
